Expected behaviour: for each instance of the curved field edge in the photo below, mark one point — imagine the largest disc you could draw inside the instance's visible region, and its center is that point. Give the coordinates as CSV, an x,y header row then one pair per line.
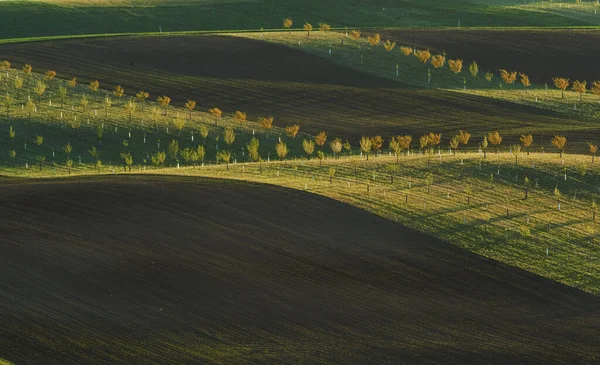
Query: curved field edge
x,y
299,278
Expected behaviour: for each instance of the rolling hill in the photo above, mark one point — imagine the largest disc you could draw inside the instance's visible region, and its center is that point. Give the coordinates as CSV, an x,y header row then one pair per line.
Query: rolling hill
x,y
187,270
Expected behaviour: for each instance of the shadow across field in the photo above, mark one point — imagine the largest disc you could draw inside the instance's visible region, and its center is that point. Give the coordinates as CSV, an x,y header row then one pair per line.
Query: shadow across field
x,y
120,270
267,79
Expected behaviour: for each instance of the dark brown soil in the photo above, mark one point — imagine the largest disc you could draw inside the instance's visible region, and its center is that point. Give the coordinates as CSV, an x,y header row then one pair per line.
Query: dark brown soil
x,y
185,271
542,54
266,79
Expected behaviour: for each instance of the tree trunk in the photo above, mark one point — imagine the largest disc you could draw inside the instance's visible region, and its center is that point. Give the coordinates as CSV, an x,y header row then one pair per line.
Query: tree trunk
x,y
561,153
484,154
528,151
526,193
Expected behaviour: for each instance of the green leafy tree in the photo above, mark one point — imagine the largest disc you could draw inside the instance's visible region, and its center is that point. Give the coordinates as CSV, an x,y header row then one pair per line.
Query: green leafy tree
x,y
62,94
200,151
282,150
127,160
252,148
229,136
7,102
309,147
130,106
366,144
30,108
158,159
186,154
68,149
69,165
225,157
40,89
13,155
173,150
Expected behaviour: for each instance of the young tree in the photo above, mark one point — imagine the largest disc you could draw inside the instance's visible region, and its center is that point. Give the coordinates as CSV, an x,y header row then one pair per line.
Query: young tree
x,y
562,84
524,80
508,77
559,142
474,69
579,87
321,157
40,89
455,65
429,181
282,150
347,147
187,154
366,144
158,159
127,160
99,133
18,86
292,130
130,106
11,133
4,65
69,165
407,51
423,56
68,149
201,153
178,124
62,93
331,174
266,123
321,138
593,148
526,141
173,150
229,136
336,147
489,76
190,105
107,104
309,147
93,152
252,148
484,146
287,24
454,143
404,142
374,39
225,157
438,61
389,46
308,28
39,140
355,34
72,82
217,113
29,107
164,102
118,92
27,69
84,102
94,86
394,145
376,144
495,139
324,28
595,89
240,117
434,139
40,160
50,75
557,195
516,149
13,155
464,137
141,96
423,141
7,102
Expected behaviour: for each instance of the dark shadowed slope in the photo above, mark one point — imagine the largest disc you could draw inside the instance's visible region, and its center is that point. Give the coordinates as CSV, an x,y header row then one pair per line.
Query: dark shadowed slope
x,y
542,54
267,79
146,270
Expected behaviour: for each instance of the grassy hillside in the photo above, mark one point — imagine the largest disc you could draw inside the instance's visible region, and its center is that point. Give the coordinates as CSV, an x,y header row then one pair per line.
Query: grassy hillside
x,y
196,276
58,17
267,79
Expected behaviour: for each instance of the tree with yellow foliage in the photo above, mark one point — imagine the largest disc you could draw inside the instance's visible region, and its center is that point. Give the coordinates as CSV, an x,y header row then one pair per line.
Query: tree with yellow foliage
x,y
438,61
455,65
366,144
423,55
559,142
494,138
463,138
524,80
374,39
562,84
292,130
50,75
94,85
595,89
4,65
355,34
164,102
389,45
308,28
266,123
321,138
287,24
407,51
118,92
474,69
190,105
240,117
579,87
141,96
324,28
489,76
72,82
593,148
217,113
508,77
526,141
336,147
